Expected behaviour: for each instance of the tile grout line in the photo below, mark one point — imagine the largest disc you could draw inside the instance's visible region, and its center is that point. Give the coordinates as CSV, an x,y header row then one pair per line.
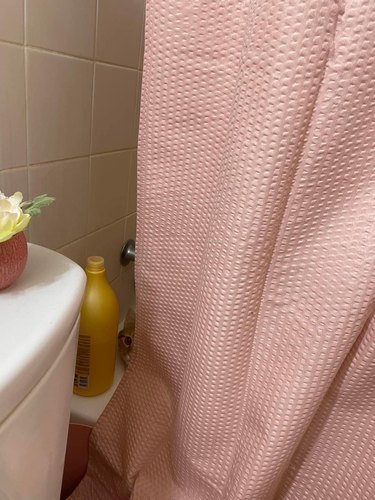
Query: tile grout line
x,y
28,165
138,108
142,42
69,56
79,58
26,98
113,151
88,220
17,44
123,217
71,158
93,77
51,162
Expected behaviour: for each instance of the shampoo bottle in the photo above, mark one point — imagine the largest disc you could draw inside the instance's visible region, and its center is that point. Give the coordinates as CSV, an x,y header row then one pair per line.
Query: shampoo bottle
x,y
97,339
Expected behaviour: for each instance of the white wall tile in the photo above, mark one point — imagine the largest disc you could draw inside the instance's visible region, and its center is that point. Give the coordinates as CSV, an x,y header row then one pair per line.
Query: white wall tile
x,y
125,291
66,219
132,191
115,93
59,106
126,287
14,180
11,20
75,251
119,35
59,100
137,108
130,227
130,234
64,26
108,187
108,242
141,53
12,106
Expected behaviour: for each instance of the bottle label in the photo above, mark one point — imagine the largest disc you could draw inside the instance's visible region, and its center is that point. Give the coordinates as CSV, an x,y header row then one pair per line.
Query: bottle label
x,y
82,373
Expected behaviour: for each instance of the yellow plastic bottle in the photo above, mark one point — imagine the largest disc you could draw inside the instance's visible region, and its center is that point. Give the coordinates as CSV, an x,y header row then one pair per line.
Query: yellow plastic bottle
x,y
97,340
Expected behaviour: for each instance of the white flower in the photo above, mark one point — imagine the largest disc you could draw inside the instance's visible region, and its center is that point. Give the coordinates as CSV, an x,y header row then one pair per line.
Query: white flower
x,y
12,219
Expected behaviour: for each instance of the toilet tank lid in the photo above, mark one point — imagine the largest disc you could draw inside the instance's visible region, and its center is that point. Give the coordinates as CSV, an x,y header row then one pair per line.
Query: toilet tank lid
x,y
37,315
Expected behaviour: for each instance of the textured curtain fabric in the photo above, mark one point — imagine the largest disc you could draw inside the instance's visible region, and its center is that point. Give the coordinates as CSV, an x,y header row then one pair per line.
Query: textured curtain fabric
x,y
253,375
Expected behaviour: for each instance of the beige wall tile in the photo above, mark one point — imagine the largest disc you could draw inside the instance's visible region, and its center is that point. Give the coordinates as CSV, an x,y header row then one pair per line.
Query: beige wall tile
x,y
114,108
124,288
59,106
109,181
59,92
14,180
64,26
108,242
116,287
66,219
130,227
75,251
12,106
130,234
120,26
11,20
132,192
142,51
128,287
137,108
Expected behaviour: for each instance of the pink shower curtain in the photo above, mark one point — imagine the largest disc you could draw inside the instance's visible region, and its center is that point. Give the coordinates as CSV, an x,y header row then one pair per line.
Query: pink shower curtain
x,y
253,375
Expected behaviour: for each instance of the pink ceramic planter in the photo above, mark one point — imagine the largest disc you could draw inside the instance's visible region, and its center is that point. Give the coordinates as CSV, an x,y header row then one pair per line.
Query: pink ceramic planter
x,y
13,257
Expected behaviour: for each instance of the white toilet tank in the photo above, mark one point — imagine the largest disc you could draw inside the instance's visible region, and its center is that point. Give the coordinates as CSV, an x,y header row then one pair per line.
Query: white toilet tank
x,y
38,333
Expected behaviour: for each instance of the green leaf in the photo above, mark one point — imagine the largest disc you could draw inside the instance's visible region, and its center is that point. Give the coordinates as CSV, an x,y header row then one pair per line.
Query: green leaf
x,y
32,211
34,207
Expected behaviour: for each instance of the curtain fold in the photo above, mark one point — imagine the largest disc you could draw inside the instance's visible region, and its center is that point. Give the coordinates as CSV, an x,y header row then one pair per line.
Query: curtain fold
x,y
253,375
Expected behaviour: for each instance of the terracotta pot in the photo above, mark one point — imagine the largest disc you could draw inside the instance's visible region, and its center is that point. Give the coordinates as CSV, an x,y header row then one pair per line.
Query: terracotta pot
x,y
76,458
13,257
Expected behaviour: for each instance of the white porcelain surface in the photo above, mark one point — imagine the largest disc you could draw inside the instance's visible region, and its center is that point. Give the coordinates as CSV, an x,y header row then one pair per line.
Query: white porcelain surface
x,y
37,314
33,437
75,251
87,410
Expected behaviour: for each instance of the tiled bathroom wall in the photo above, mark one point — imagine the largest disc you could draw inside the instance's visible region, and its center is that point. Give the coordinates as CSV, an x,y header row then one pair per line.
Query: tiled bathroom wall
x,y
70,79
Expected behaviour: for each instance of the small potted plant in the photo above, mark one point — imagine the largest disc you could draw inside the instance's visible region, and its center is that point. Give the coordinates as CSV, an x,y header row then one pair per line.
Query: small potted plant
x,y
15,215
